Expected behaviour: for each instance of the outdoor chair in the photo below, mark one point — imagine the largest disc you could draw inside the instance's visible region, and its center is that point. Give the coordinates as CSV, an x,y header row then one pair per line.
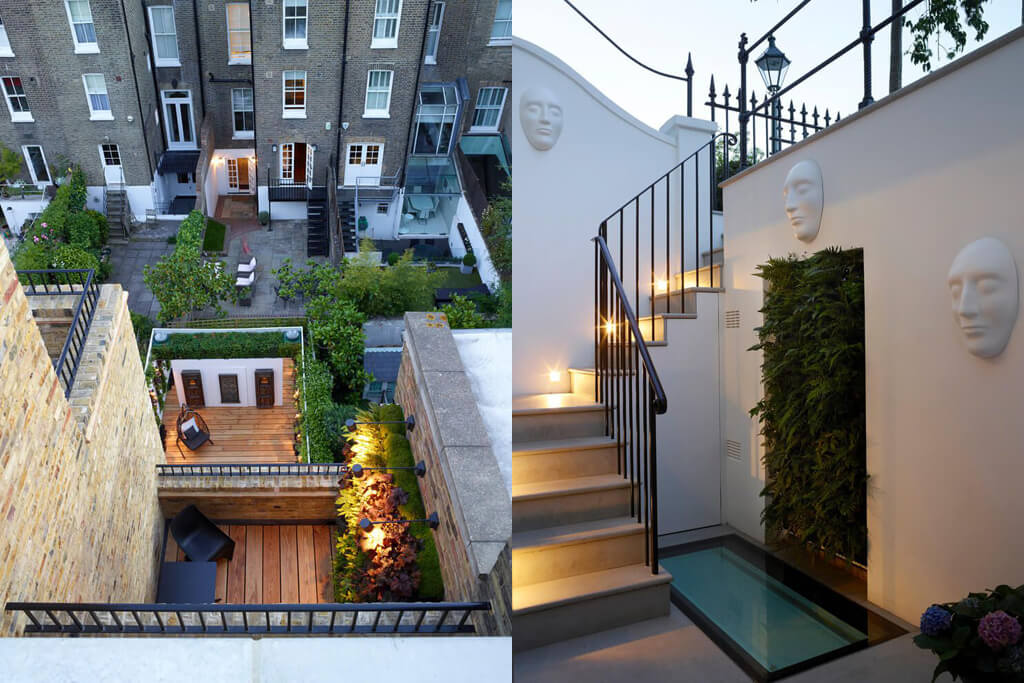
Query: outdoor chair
x,y
192,430
199,538
245,280
246,268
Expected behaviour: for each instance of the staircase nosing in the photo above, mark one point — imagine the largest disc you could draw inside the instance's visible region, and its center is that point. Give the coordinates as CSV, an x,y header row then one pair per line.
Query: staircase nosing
x,y
563,487
583,443
648,580
534,541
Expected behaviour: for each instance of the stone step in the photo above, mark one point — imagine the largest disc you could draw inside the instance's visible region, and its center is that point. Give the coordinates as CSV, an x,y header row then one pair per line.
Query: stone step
x,y
552,553
563,459
540,417
536,505
551,611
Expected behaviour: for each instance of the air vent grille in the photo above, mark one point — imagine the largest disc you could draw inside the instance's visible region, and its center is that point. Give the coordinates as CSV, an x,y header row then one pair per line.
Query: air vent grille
x,y
732,319
732,449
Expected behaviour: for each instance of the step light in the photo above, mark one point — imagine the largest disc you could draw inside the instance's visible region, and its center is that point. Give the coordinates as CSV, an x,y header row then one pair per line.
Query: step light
x,y
432,521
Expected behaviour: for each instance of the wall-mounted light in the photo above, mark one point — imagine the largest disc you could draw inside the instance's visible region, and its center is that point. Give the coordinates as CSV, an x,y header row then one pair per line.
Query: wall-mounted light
x,y
409,422
273,148
662,286
555,376
344,125
129,118
314,147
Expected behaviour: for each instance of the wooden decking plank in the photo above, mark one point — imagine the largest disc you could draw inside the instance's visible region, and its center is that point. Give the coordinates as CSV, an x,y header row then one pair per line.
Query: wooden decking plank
x,y
236,567
289,565
322,552
171,549
180,556
220,592
307,565
253,564
271,564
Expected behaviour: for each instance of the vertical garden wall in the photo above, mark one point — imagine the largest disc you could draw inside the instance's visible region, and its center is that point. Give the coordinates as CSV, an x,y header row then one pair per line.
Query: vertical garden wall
x,y
812,414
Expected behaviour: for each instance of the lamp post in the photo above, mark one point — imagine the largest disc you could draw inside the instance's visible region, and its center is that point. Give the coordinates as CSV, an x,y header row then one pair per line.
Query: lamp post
x,y
773,65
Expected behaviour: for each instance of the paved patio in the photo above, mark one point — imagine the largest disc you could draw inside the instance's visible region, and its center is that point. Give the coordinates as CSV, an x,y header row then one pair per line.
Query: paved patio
x,y
287,239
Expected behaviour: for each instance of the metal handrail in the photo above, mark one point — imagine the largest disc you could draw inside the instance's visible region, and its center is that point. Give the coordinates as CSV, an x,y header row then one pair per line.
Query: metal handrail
x,y
216,619
627,385
329,469
66,364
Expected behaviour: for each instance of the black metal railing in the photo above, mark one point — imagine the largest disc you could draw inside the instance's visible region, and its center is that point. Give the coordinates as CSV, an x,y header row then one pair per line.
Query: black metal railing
x,y
66,283
627,385
286,469
863,39
665,236
217,619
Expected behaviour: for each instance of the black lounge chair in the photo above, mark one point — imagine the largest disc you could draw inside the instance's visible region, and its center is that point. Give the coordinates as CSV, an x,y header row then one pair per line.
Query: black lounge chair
x,y
192,430
199,538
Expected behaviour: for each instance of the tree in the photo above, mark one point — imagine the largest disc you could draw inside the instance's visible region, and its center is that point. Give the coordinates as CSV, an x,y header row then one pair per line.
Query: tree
x,y
496,228
10,163
182,282
943,16
336,327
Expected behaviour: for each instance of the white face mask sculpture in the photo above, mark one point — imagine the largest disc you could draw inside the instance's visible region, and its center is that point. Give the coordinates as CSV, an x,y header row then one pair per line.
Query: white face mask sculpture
x,y
805,198
983,282
540,114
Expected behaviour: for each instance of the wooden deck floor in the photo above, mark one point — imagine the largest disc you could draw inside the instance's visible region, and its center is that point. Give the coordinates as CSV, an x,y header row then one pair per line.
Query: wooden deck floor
x,y
272,564
239,434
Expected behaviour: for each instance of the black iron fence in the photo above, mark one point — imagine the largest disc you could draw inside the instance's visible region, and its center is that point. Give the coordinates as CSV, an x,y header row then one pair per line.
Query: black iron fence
x,y
291,469
217,619
67,283
627,385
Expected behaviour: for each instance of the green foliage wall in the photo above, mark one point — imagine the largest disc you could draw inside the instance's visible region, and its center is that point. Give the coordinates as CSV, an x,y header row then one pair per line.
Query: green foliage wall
x,y
316,405
812,413
226,345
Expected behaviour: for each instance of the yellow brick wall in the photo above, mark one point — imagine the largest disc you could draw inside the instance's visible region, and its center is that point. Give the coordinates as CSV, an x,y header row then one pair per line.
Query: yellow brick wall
x,y
79,513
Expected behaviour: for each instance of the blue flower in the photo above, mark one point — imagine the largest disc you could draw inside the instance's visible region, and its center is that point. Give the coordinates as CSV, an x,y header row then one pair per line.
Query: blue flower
x,y
935,621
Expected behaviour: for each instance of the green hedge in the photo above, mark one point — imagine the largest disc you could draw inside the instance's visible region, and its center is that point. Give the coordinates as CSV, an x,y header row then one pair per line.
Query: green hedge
x,y
227,345
213,239
812,413
190,232
315,405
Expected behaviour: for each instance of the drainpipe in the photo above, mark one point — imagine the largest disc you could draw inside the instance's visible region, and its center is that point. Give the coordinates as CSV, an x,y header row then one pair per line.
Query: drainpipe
x,y
255,137
416,93
199,58
138,94
341,93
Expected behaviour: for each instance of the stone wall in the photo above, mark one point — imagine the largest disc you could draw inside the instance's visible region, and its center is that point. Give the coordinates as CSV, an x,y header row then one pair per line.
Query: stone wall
x,y
463,483
78,500
264,498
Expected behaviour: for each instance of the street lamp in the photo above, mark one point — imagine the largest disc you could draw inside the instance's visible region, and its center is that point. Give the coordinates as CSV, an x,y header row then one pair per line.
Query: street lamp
x,y
773,65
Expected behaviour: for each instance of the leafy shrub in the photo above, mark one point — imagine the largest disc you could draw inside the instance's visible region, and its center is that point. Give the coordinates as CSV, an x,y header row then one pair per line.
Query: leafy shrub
x,y
143,327
405,286
102,224
462,314
496,228
10,163
72,257
83,231
393,258
264,217
32,256
337,327
812,413
190,232
315,279
226,345
469,259
77,192
213,240
315,404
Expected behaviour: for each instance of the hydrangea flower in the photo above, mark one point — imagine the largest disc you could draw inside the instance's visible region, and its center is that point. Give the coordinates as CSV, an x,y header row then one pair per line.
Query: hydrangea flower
x,y
935,621
998,629
35,238
44,225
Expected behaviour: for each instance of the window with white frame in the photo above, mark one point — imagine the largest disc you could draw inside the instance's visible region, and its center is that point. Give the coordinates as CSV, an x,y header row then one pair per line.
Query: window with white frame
x,y
110,154
242,112
386,18
437,107
296,14
83,32
165,36
434,32
96,96
383,208
372,155
239,33
5,43
489,103
294,95
36,163
501,31
17,102
378,94
287,161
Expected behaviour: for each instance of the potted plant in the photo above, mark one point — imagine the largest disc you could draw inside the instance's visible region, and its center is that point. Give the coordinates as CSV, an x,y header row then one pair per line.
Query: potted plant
x,y
977,639
468,262
264,217
363,223
393,258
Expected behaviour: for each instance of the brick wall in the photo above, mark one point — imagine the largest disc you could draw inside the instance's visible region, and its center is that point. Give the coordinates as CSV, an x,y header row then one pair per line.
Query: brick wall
x,y
308,499
78,500
463,483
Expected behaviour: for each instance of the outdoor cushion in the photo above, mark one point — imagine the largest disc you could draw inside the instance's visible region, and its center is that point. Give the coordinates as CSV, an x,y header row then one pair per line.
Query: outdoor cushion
x,y
247,267
245,281
189,426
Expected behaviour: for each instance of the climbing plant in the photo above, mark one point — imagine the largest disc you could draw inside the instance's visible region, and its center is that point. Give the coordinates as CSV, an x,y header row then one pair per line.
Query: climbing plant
x,y
812,413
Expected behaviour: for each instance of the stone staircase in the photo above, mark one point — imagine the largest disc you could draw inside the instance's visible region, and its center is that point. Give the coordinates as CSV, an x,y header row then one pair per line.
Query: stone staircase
x,y
577,553
317,239
116,205
347,224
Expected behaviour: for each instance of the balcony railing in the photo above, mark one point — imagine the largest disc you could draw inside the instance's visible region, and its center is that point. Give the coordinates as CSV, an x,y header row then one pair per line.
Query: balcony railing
x,y
288,469
217,619
65,283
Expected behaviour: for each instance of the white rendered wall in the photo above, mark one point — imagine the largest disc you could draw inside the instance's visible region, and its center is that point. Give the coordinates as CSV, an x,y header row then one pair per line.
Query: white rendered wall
x,y
603,157
140,200
266,660
911,180
16,211
219,163
287,211
245,368
379,226
464,214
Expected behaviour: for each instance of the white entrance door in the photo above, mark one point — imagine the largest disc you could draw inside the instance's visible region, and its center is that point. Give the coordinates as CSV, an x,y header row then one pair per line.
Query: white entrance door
x,y
363,163
113,172
181,132
238,175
